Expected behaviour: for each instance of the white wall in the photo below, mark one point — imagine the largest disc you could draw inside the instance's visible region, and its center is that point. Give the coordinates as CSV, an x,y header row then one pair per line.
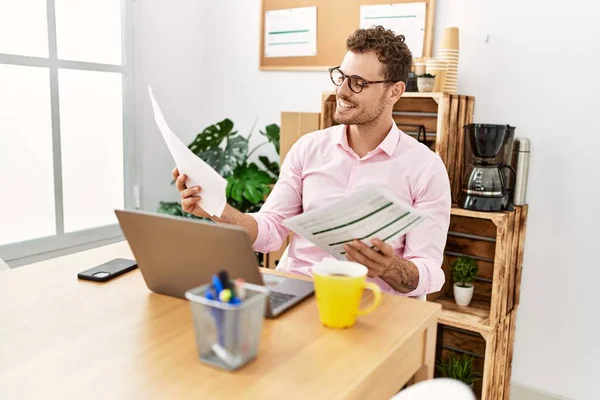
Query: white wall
x,y
534,73
169,43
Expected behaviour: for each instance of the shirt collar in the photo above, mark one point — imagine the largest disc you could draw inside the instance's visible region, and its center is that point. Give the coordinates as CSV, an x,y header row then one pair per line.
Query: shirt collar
x,y
387,145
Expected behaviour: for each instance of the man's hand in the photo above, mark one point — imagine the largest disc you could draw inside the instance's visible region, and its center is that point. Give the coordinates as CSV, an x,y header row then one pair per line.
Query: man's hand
x,y
376,261
189,196
189,204
381,261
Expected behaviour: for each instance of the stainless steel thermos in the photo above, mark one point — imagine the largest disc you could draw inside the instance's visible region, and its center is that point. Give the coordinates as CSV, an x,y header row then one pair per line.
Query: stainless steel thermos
x,y
521,161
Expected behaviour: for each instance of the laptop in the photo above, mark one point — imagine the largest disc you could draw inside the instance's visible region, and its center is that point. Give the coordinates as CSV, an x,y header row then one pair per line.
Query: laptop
x,y
175,254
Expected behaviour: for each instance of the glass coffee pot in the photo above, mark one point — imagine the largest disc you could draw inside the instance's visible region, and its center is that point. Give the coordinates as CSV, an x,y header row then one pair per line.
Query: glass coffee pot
x,y
487,187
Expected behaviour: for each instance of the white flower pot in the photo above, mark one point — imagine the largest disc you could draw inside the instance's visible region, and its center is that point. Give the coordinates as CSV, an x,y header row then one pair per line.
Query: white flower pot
x,y
463,295
425,85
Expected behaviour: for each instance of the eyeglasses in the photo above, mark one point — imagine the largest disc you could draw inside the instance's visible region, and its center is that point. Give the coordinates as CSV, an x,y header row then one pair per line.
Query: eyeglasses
x,y
355,82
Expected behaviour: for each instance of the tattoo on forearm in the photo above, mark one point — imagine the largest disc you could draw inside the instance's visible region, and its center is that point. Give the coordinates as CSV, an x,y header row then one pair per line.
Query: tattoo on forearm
x,y
402,276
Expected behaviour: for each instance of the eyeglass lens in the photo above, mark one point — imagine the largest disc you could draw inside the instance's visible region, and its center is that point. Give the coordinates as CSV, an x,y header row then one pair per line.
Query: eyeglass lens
x,y
337,77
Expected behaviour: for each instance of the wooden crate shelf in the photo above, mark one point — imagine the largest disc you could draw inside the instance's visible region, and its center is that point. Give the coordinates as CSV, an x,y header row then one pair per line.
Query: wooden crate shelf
x,y
443,115
492,351
496,240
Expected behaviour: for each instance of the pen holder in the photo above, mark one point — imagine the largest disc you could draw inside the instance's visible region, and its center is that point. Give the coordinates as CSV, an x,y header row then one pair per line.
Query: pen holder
x,y
228,336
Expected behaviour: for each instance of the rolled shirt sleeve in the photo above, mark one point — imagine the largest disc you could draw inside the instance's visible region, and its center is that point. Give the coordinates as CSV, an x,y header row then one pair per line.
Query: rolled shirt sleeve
x,y
424,245
284,201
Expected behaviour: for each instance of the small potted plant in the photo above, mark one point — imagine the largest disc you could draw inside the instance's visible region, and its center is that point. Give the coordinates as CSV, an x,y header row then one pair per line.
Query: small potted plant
x,y
464,271
458,367
425,82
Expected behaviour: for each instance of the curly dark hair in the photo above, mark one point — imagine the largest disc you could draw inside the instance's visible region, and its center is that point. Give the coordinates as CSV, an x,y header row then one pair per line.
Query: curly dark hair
x,y
390,48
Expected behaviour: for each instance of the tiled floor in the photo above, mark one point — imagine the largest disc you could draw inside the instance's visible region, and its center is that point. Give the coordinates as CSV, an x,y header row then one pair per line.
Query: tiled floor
x,y
522,393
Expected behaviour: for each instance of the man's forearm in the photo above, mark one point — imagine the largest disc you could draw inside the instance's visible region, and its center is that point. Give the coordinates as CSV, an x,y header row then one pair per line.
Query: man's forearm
x,y
402,275
234,217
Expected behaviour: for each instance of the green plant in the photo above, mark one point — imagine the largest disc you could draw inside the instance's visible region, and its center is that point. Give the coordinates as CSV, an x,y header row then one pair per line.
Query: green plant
x,y
457,367
427,75
464,270
174,208
248,184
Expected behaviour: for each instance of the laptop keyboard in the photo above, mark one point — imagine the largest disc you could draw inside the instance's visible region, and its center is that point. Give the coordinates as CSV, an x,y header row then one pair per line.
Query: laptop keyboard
x,y
278,298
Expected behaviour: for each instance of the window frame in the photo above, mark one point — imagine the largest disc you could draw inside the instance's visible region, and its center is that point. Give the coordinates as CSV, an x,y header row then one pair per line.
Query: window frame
x,y
38,249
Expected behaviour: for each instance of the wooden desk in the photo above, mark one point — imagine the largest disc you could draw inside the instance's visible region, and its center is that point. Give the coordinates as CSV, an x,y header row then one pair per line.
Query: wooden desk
x,y
62,338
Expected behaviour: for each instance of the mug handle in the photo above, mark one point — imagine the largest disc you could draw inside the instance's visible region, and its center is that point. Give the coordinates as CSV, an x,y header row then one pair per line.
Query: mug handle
x,y
373,287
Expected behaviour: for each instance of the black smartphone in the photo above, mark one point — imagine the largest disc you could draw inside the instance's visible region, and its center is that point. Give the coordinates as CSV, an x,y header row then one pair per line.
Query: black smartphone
x,y
108,270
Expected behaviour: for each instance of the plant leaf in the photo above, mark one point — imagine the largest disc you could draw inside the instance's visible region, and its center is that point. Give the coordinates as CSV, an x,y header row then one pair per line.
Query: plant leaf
x,y
236,152
225,161
250,183
212,136
251,171
253,194
237,191
272,167
215,157
458,367
230,182
464,269
272,133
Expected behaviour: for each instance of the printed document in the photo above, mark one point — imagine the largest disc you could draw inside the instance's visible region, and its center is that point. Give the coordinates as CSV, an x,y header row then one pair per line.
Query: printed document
x,y
291,32
407,19
213,186
370,213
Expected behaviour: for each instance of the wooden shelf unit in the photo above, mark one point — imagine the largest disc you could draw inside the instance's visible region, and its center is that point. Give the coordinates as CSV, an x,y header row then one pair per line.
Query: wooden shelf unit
x,y
485,328
442,114
492,351
496,240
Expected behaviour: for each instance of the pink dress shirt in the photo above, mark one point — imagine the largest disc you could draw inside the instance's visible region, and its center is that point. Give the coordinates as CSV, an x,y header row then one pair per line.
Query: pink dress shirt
x,y
321,168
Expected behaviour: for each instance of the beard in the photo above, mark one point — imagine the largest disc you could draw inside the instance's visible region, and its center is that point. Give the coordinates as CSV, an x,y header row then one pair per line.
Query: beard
x,y
365,116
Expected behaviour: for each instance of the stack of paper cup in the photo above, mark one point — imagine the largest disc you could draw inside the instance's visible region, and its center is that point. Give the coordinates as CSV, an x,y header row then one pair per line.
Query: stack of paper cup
x,y
437,67
449,51
420,69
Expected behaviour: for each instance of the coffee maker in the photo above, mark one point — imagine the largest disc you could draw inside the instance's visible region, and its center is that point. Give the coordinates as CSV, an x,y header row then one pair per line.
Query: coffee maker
x,y
488,178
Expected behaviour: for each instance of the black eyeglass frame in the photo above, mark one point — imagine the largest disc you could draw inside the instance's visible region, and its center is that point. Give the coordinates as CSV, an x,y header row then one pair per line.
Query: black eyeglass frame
x,y
349,77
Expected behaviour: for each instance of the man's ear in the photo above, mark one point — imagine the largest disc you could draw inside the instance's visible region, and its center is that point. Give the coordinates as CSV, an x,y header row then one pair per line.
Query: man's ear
x,y
397,91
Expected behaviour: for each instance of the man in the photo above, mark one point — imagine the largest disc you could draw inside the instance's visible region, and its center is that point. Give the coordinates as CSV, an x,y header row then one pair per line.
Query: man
x,y
367,147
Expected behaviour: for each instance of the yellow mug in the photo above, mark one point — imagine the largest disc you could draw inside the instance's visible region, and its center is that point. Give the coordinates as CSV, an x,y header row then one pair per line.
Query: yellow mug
x,y
339,286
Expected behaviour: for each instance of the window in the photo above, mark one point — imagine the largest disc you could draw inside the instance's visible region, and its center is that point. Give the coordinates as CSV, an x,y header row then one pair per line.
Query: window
x,y
65,145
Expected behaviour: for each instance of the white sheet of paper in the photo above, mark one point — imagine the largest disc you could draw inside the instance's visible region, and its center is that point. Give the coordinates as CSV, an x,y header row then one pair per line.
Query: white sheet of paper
x,y
291,32
198,172
407,19
372,212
